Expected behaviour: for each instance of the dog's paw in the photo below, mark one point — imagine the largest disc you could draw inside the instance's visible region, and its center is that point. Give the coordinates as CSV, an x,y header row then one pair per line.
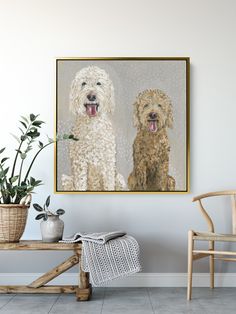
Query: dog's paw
x,y
141,178
171,184
120,183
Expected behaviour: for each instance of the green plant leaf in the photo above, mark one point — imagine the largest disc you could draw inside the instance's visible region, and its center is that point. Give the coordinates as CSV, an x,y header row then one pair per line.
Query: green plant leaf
x,y
38,123
4,159
13,179
23,123
33,134
40,216
23,155
23,138
32,117
30,189
21,131
60,212
15,137
32,180
50,140
38,181
28,149
33,129
2,175
6,170
47,203
38,207
25,119
2,150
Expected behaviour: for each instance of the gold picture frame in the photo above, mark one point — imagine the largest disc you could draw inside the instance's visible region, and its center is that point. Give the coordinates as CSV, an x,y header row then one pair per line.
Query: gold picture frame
x,y
127,168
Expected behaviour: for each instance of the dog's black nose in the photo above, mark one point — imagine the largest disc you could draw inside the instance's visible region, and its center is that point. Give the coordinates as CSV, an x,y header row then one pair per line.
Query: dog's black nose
x,y
152,115
91,97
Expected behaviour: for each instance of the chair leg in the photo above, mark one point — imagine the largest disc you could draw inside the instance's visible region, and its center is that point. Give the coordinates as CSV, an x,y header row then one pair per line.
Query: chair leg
x,y
211,264
190,264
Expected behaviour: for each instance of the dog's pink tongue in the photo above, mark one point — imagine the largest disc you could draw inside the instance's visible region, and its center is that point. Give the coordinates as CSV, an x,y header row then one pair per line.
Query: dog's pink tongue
x,y
152,126
91,110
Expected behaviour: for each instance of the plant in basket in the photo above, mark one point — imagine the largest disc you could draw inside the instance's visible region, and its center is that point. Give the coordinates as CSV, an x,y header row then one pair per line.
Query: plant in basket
x,y
16,182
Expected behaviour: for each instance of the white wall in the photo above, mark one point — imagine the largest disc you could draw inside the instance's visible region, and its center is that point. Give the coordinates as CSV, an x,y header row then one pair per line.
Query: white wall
x,y
34,33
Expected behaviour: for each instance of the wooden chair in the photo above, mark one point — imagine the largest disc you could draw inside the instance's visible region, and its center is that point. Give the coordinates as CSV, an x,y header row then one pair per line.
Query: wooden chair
x,y
211,237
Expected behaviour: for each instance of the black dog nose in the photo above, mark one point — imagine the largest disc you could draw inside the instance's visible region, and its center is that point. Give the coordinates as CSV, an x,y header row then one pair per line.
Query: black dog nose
x,y
91,97
152,115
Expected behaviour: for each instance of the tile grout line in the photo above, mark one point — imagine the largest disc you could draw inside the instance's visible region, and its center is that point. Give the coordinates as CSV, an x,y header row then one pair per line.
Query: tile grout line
x,y
148,292
54,303
104,294
7,302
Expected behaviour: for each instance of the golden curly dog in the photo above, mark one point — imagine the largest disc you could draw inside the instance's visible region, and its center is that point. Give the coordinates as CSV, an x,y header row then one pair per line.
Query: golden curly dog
x,y
151,148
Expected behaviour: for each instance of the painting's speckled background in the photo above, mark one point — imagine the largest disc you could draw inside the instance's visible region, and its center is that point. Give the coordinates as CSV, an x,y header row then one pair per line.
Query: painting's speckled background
x,y
129,78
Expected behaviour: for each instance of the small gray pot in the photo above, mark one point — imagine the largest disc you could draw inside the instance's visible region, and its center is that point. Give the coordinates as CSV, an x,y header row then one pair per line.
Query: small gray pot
x,y
52,229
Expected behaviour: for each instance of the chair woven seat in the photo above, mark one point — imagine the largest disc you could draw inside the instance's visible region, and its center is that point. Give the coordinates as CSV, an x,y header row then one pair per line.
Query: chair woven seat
x,y
212,236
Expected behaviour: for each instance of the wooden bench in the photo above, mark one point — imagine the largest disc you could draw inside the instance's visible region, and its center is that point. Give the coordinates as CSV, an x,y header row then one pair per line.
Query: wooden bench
x,y
83,290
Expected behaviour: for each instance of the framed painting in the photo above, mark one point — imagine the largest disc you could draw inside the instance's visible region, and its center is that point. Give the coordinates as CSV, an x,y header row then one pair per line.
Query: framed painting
x,y
130,117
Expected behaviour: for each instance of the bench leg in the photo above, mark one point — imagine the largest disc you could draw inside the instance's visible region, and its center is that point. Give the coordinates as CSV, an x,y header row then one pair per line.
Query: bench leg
x,y
84,290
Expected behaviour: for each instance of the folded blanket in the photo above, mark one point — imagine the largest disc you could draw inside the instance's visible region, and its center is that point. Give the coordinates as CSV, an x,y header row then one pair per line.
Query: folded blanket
x,y
98,237
108,255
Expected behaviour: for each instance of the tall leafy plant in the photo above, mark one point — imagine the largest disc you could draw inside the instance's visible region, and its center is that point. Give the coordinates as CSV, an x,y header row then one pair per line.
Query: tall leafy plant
x,y
15,180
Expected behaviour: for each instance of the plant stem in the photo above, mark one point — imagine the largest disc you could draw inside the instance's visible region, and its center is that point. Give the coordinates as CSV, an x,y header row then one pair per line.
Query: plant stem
x,y
3,170
22,161
32,162
2,186
14,164
17,153
21,165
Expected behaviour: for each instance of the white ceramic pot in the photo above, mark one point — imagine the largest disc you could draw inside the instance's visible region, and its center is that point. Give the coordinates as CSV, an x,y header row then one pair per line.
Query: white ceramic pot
x,y
52,229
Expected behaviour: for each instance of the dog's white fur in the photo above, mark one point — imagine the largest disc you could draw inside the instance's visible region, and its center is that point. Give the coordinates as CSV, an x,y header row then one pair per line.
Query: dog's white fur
x,y
93,156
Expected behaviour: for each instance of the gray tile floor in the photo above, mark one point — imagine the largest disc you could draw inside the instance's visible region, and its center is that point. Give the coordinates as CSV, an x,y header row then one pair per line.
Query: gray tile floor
x,y
126,301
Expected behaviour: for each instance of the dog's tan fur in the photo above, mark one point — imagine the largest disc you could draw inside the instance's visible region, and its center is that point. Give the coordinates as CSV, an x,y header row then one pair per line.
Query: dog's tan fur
x,y
151,149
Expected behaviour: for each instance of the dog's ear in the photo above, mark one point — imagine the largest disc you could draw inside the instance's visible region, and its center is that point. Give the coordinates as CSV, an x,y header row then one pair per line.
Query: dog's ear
x,y
111,104
135,115
170,118
73,102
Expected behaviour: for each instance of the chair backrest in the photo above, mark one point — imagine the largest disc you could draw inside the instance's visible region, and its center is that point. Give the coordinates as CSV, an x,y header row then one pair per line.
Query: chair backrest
x,y
231,193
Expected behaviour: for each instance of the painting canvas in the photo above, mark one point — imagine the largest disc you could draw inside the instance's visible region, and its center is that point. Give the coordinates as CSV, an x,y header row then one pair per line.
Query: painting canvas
x,y
130,117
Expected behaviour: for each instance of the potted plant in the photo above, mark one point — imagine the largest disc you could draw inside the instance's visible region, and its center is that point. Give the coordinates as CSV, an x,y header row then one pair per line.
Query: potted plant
x,y
16,182
52,226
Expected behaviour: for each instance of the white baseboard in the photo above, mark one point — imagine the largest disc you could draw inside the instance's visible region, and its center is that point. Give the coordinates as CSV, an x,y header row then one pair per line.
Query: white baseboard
x,y
136,280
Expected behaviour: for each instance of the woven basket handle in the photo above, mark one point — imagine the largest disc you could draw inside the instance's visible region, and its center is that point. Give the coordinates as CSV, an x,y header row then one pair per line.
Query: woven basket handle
x,y
26,200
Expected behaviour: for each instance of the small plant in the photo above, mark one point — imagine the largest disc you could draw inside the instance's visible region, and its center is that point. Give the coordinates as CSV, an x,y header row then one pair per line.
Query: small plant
x,y
15,180
45,212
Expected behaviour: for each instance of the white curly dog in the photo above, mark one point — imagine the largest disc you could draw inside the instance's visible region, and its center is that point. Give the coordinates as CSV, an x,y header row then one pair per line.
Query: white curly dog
x,y
93,156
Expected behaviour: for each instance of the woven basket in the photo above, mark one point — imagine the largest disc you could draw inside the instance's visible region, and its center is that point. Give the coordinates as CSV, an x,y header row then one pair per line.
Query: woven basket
x,y
13,219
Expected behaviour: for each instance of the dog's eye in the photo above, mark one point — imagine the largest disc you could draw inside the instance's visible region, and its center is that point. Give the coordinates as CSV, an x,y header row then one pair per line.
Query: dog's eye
x,y
145,106
159,105
98,83
83,84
